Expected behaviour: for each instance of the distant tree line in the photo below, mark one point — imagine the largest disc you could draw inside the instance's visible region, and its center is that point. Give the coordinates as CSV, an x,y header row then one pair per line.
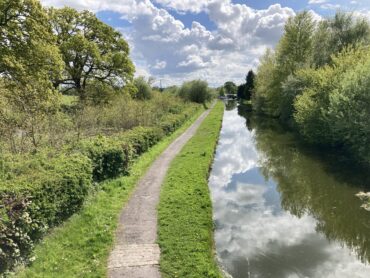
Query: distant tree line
x,y
243,91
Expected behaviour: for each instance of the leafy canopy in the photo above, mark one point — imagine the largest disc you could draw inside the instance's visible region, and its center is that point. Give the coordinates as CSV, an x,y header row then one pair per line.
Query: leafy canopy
x,y
92,51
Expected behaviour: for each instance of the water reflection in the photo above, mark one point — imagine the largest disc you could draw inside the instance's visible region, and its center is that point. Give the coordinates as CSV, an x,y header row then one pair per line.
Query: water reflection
x,y
279,211
230,104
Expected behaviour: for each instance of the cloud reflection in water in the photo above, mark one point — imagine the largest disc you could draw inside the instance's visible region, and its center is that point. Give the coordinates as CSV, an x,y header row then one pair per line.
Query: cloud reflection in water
x,y
254,236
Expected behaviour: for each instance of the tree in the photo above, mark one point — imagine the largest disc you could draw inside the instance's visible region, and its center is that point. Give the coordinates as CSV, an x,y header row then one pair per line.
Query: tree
x,y
195,91
28,60
241,91
293,53
230,88
265,100
27,45
144,91
336,34
295,47
92,51
249,85
221,91
245,90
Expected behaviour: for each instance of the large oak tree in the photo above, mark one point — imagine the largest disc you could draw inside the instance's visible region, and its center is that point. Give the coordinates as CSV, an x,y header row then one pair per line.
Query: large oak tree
x,y
92,51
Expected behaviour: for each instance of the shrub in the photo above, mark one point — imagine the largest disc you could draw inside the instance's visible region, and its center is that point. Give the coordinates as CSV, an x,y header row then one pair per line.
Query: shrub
x,y
348,111
109,158
45,192
112,156
325,87
141,138
171,122
195,91
144,91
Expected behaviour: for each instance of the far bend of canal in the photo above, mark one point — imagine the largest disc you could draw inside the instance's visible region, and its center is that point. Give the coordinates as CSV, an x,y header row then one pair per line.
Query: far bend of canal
x,y
283,210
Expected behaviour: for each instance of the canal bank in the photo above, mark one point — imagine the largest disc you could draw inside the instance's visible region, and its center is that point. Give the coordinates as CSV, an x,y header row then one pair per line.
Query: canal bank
x,y
185,234
282,209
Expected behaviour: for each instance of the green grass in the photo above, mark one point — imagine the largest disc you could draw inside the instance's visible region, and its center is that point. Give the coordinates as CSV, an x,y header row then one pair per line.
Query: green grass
x,y
80,247
185,209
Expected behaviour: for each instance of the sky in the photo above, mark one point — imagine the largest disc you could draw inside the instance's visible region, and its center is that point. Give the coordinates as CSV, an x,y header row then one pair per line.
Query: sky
x,y
214,40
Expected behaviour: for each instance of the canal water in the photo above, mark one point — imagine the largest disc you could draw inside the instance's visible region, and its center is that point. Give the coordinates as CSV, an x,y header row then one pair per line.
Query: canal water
x,y
282,209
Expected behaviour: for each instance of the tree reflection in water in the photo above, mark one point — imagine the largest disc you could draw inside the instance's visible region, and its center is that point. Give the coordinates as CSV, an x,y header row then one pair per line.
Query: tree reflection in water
x,y
283,209
313,185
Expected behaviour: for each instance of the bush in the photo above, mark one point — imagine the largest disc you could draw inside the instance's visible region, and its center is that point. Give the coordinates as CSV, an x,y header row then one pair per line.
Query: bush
x,y
348,111
171,122
144,91
141,138
112,156
322,89
45,192
195,91
109,158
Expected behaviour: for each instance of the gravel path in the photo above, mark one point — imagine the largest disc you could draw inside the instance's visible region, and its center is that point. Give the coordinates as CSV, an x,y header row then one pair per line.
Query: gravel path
x,y
136,254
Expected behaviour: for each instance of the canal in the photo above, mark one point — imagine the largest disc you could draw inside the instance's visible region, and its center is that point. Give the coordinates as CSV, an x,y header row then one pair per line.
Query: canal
x,y
282,209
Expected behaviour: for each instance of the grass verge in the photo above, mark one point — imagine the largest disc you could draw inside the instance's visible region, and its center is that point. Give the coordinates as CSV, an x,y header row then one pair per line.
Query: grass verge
x,y
185,208
80,247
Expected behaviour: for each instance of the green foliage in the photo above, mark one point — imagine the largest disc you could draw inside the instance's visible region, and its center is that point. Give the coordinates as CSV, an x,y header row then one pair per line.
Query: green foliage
x,y
112,156
171,122
172,90
333,108
109,158
92,51
25,111
185,209
267,92
123,113
295,46
221,91
141,139
99,93
230,88
44,192
316,80
335,34
245,90
90,233
195,91
241,93
320,88
27,45
249,89
28,60
293,53
144,91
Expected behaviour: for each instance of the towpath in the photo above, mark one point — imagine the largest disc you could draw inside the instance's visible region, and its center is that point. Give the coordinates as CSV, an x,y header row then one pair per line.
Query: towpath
x,y
136,254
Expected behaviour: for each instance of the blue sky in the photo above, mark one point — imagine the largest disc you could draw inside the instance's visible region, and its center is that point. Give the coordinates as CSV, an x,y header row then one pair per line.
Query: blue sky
x,y
215,40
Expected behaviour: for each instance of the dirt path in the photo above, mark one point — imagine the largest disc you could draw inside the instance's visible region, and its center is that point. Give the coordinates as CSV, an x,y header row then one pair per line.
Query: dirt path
x,y
136,254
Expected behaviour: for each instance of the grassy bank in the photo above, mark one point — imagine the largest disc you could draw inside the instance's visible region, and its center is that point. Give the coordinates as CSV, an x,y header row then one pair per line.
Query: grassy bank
x,y
80,247
185,209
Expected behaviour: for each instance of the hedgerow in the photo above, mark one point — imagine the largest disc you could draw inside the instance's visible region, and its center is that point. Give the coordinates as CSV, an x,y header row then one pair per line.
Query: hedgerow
x,y
48,191
41,191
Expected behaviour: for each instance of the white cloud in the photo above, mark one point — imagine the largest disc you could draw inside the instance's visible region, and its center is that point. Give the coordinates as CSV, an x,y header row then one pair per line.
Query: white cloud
x,y
317,1
160,64
329,6
167,49
194,6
